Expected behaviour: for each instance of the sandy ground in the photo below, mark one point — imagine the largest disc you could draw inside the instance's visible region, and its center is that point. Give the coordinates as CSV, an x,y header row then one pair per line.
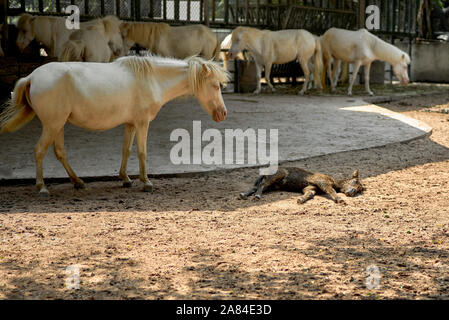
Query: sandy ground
x,y
193,239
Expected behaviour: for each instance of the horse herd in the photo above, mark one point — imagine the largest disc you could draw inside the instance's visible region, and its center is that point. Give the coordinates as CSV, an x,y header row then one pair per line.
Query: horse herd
x,y
106,39
131,90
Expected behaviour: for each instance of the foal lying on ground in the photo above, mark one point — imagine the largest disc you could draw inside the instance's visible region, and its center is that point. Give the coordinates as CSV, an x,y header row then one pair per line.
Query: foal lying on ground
x,y
299,180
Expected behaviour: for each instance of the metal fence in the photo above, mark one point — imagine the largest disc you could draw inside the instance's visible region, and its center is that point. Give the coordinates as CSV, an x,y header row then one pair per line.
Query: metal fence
x,y
398,17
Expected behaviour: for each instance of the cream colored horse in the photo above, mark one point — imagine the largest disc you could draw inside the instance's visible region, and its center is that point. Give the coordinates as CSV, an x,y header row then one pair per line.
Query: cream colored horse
x,y
360,48
53,33
165,40
226,45
278,47
101,96
101,41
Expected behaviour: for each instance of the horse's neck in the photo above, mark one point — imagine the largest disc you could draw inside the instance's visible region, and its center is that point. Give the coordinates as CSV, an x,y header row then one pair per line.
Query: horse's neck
x,y
175,84
385,51
253,41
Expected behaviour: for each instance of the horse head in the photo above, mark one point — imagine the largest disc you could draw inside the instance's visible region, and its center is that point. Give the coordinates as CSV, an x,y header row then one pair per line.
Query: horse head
x,y
26,30
400,69
237,42
205,78
352,186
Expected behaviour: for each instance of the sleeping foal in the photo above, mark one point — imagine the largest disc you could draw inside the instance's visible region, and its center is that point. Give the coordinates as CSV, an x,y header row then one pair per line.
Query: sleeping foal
x,y
309,183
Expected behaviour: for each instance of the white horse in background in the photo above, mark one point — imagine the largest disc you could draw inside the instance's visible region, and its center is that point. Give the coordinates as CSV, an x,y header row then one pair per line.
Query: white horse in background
x,y
2,54
164,40
53,33
226,45
101,96
278,47
100,41
360,48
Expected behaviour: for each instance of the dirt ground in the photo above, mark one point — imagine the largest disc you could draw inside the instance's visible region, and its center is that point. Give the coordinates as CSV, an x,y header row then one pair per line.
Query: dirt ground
x,y
193,239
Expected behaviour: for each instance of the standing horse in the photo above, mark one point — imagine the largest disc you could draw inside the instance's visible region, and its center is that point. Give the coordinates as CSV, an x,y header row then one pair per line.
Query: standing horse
x,y
226,45
53,33
101,41
278,47
360,48
165,40
101,96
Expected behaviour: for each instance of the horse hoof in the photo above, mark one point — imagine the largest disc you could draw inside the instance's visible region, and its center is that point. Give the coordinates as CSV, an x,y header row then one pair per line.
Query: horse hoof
x,y
300,93
371,94
258,197
148,188
127,184
43,193
242,196
80,186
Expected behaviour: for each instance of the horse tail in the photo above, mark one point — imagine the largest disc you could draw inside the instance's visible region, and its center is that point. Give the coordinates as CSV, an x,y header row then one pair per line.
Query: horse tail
x,y
217,50
73,50
18,111
318,64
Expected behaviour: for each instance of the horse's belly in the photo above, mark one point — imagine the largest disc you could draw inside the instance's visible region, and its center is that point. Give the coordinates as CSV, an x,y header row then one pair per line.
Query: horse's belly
x,y
90,118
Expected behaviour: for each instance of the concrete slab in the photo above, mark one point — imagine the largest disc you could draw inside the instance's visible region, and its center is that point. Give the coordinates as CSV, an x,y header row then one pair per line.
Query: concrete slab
x,y
307,127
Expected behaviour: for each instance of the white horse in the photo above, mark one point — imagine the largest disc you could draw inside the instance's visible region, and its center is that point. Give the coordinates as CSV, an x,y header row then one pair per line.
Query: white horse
x,y
226,45
53,33
101,96
278,47
99,42
179,42
360,48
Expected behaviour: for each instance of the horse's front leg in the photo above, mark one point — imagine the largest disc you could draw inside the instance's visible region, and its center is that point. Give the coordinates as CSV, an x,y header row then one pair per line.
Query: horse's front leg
x,y
367,71
305,68
258,76
268,66
130,132
142,134
335,73
357,65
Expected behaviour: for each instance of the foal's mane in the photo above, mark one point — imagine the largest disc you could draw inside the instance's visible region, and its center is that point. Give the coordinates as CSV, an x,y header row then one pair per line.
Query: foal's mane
x,y
197,67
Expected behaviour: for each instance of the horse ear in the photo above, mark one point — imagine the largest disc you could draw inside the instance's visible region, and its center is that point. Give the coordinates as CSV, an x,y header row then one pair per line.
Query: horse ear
x,y
355,174
207,72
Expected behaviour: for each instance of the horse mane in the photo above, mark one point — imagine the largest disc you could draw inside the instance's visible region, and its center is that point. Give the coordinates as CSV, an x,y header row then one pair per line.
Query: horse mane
x,y
197,65
140,66
146,33
144,66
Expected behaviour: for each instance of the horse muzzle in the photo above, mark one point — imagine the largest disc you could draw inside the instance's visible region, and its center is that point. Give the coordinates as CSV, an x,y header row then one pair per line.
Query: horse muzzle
x,y
219,115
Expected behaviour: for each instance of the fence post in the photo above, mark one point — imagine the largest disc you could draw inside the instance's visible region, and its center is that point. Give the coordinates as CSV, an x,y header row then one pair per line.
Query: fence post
x,y
206,12
4,21
362,8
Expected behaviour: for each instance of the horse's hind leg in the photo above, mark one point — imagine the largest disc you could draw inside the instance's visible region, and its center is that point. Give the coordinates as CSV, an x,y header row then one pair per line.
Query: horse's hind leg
x,y
309,193
61,156
141,135
130,132
47,137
